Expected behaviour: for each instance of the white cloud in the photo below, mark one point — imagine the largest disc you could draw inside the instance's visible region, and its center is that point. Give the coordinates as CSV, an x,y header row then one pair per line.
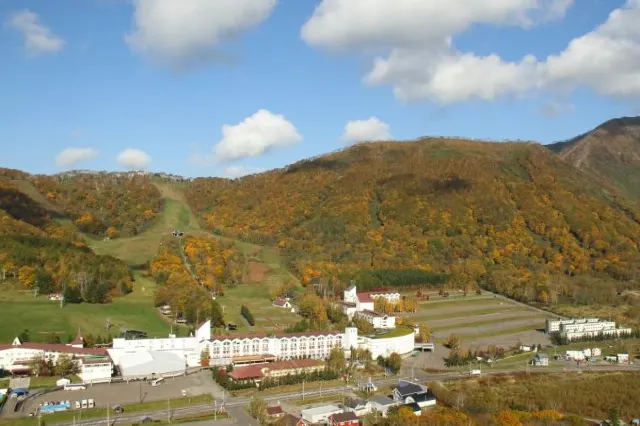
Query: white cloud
x,y
133,159
37,38
371,129
416,23
186,32
606,59
255,135
69,157
419,59
239,171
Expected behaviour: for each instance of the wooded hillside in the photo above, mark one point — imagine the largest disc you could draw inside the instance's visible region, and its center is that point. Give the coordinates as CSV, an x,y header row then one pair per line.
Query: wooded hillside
x,y
103,204
512,217
44,254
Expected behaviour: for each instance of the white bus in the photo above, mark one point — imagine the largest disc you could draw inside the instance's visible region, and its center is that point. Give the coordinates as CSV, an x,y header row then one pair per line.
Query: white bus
x,y
74,387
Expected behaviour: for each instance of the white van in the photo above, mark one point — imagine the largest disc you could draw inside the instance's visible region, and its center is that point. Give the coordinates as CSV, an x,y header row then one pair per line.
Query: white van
x,y
157,382
77,405
84,404
92,404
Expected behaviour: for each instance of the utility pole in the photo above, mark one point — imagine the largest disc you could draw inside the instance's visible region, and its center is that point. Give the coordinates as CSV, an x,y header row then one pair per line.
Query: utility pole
x,y
303,390
108,420
168,410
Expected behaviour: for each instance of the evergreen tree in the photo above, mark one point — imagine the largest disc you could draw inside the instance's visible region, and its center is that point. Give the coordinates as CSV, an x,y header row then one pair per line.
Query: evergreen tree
x,y
217,317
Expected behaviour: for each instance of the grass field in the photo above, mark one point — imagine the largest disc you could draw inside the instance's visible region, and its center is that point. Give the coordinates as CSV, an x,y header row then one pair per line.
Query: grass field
x,y
481,320
43,317
136,311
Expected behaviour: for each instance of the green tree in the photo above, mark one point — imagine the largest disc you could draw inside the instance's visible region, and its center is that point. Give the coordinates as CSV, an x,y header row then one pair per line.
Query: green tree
x,y
24,336
37,365
72,294
394,363
258,409
217,317
66,365
614,416
336,362
44,282
453,342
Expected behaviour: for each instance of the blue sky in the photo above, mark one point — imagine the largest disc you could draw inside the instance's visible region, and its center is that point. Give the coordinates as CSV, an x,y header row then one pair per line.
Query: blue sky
x,y
162,78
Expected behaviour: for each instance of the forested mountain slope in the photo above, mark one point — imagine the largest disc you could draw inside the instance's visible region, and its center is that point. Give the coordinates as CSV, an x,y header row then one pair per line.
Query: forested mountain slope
x,y
513,217
610,152
40,252
103,204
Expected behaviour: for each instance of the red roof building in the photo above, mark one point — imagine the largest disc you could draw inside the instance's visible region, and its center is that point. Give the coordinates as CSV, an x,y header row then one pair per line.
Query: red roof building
x,y
364,298
275,411
348,418
275,369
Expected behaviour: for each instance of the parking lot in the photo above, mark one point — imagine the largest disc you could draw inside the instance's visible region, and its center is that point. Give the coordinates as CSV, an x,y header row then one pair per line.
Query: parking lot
x,y
130,393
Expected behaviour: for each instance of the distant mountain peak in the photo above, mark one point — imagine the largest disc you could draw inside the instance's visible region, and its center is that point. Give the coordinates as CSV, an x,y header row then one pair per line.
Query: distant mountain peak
x,y
609,152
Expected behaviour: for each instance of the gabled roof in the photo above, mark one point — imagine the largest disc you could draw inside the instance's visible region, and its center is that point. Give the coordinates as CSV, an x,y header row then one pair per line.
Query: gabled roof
x,y
408,389
280,302
372,313
347,416
383,400
256,371
79,340
351,287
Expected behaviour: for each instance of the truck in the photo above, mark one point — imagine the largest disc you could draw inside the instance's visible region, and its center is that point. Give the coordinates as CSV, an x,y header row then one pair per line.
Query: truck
x,y
475,372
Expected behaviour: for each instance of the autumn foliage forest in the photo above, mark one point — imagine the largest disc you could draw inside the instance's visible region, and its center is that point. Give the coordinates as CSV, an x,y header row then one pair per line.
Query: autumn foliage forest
x,y
44,254
190,271
103,204
510,217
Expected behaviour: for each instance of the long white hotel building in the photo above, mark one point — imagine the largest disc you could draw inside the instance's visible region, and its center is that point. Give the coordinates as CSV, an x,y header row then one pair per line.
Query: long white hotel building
x,y
578,328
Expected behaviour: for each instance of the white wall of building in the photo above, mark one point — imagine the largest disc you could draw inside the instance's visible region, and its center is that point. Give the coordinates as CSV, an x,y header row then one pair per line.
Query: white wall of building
x,y
385,347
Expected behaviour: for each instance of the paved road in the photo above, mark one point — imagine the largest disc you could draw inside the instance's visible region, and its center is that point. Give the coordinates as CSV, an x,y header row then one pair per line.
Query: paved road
x,y
235,405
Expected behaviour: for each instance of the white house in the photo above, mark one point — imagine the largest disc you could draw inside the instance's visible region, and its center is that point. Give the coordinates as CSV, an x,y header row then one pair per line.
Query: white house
x,y
540,360
362,304
377,319
382,404
409,393
282,303
359,407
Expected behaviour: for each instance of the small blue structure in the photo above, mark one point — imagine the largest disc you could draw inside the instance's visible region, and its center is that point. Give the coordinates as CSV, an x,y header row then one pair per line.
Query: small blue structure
x,y
20,392
45,409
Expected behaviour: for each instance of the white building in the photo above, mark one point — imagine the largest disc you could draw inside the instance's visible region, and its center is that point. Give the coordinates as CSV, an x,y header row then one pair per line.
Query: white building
x,y
314,344
579,328
168,356
320,414
362,304
94,363
541,360
378,320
